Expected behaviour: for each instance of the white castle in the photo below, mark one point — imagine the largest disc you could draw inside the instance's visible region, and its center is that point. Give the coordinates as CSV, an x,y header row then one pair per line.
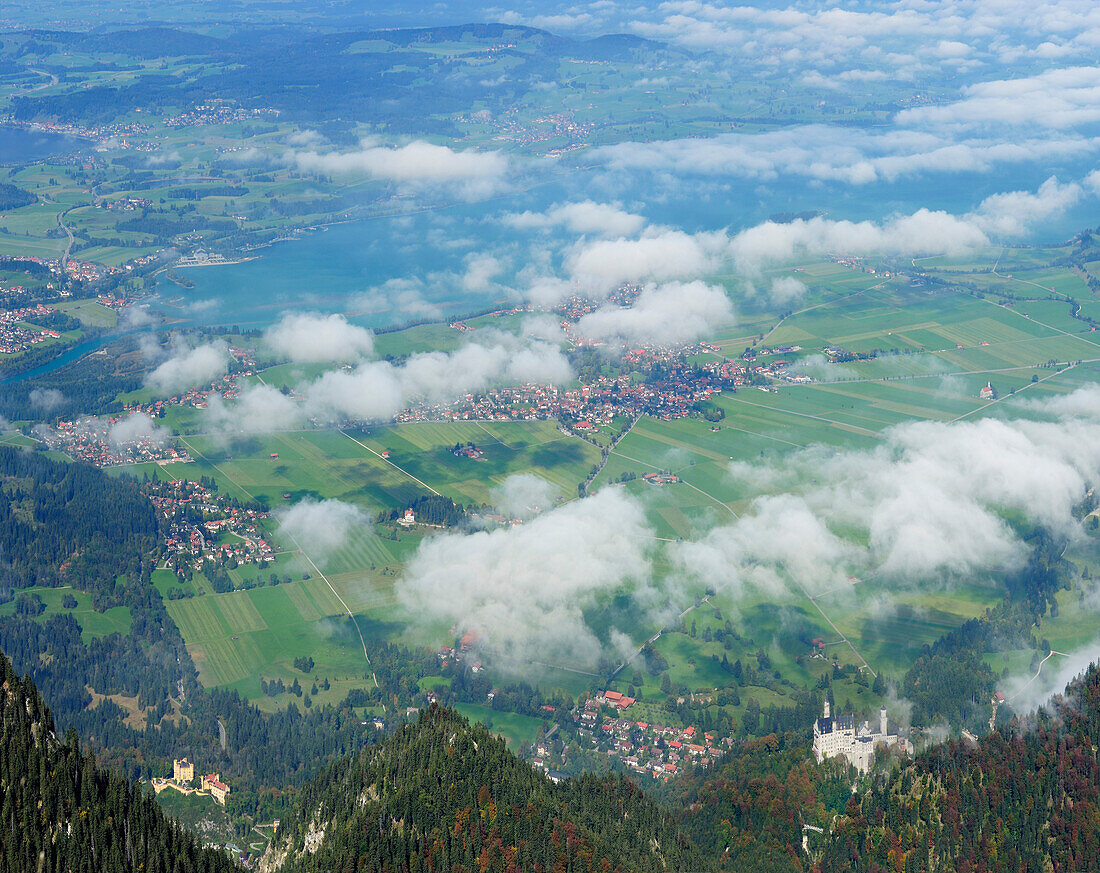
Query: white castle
x,y
840,736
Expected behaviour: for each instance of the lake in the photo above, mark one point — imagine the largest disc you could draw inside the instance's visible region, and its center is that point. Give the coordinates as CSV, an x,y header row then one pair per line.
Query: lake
x,y
20,145
388,271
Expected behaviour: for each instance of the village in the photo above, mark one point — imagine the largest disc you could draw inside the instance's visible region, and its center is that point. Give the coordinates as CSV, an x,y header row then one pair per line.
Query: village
x,y
655,750
672,389
96,441
204,526
16,335
199,397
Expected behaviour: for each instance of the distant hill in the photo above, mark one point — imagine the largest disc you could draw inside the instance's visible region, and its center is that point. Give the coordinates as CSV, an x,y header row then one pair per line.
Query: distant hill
x,y
60,812
447,795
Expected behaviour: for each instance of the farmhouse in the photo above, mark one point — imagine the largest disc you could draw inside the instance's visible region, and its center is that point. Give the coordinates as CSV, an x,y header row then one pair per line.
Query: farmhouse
x,y
839,736
615,698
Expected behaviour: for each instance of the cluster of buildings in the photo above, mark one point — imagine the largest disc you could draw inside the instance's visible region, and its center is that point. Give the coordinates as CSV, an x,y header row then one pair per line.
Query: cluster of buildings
x,y
199,516
102,131
183,781
511,128
595,404
644,748
125,204
576,306
216,111
840,737
88,271
96,441
16,335
199,398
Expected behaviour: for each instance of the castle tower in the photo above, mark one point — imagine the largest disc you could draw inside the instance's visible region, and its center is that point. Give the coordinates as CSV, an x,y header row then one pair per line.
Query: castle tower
x,y
882,721
826,707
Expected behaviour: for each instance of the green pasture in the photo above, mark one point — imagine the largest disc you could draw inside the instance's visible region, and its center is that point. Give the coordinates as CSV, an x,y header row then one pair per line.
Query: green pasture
x,y
236,638
350,465
91,313
515,728
92,623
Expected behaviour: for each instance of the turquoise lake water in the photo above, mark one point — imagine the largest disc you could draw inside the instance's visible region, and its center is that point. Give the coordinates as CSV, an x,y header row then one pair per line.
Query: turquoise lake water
x,y
345,268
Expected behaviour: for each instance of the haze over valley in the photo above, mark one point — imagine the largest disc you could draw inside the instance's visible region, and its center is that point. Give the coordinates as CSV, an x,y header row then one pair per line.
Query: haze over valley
x,y
675,427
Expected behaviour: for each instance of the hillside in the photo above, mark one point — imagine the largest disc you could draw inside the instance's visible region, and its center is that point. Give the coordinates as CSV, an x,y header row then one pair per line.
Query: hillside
x,y
70,523
1026,797
448,795
61,812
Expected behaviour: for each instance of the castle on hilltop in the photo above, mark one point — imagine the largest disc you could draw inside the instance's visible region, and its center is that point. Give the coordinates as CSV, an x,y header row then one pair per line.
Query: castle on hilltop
x,y
839,736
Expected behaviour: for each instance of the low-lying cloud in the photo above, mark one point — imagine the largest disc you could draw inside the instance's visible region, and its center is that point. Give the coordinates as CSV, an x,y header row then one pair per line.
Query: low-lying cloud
x,y
667,314
929,503
311,338
524,589
189,368
475,173
320,527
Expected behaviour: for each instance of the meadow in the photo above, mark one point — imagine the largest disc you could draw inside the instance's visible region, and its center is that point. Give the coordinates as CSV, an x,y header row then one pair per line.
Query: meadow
x,y
935,348
92,622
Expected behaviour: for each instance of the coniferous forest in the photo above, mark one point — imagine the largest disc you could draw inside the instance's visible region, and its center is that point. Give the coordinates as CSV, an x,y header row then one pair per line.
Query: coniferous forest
x,y
61,812
447,795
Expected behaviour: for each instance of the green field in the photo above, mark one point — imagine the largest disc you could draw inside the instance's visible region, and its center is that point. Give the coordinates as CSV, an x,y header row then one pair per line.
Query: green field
x,y
513,727
935,350
92,623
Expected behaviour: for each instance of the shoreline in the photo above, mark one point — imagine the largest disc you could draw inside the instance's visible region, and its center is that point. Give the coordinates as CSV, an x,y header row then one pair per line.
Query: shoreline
x,y
219,262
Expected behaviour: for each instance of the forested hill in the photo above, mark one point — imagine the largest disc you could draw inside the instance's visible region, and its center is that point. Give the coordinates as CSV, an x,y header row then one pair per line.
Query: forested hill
x,y
70,523
447,795
1023,798
60,812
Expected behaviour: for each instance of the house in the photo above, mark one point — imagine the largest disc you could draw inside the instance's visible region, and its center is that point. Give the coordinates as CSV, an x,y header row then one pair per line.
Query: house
x,y
408,519
218,789
183,772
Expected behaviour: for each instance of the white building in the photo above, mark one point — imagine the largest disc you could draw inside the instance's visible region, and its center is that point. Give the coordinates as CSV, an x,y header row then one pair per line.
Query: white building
x,y
840,736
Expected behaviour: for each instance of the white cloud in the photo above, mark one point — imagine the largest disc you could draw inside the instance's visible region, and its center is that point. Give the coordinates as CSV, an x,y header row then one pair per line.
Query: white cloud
x,y
320,527
585,217
659,255
923,232
136,428
46,399
421,163
1058,99
524,589
927,505
314,338
1014,213
834,154
523,496
377,390
257,409
787,289
666,314
189,367
481,270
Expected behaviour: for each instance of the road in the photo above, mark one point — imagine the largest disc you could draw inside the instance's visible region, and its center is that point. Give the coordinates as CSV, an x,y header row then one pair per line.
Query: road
x,y
391,463
1051,654
69,233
